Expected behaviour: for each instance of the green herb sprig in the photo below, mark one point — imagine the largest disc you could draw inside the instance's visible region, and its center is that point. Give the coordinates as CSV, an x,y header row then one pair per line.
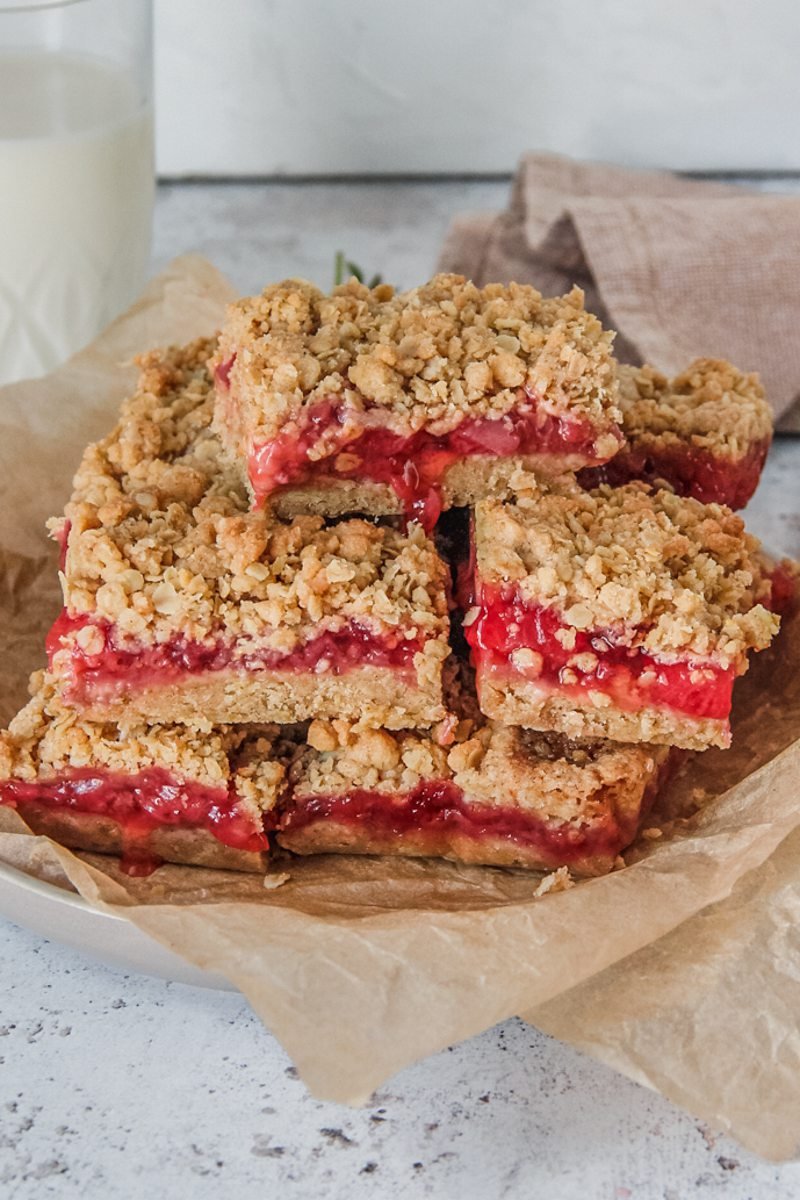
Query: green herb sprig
x,y
343,270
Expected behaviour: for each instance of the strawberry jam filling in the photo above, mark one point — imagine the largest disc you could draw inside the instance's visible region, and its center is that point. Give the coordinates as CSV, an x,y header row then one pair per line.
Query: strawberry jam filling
x,y
222,373
413,466
61,536
125,666
783,585
140,804
436,811
597,662
690,470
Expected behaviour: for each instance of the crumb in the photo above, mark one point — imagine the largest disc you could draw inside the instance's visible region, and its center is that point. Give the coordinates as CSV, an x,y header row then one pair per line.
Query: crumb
x,y
556,881
275,881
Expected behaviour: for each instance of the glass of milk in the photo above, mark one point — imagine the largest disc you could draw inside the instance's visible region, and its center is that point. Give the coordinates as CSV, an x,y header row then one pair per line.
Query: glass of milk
x,y
76,173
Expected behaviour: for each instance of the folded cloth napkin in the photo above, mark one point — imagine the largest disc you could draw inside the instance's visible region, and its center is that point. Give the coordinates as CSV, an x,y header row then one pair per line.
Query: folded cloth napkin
x,y
682,269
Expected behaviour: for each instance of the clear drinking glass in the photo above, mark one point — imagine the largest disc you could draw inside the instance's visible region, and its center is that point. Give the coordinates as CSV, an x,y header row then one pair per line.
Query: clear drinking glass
x,y
76,173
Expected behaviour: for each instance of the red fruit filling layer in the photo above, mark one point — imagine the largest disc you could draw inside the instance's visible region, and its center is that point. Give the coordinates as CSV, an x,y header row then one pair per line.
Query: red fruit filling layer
x,y
691,471
140,804
61,536
222,374
439,810
124,667
632,678
413,466
783,595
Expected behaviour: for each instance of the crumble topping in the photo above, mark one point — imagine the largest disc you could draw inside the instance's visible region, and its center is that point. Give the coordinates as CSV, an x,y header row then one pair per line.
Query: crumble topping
x,y
428,357
46,738
338,755
494,765
711,404
161,542
338,758
504,765
665,572
260,765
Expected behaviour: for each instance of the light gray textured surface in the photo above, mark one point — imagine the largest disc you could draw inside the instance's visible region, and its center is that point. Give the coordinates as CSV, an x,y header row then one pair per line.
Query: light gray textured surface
x,y
112,1085
259,232
288,87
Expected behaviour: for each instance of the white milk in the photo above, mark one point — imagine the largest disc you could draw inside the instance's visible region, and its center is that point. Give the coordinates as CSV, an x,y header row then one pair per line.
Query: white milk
x,y
76,194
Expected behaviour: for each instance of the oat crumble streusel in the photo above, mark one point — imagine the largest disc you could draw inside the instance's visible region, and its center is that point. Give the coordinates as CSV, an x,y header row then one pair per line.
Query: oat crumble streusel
x,y
683,576
47,738
711,405
547,772
424,358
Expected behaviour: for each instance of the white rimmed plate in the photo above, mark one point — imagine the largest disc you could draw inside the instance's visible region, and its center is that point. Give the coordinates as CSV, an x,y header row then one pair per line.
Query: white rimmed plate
x,y
66,917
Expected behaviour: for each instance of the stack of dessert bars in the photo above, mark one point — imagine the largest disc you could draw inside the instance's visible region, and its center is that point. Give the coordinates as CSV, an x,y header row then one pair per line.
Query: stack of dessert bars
x,y
420,574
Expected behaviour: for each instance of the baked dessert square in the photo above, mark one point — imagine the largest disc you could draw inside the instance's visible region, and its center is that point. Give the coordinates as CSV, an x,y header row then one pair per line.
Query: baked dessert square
x,y
705,433
616,613
149,793
182,605
375,402
498,796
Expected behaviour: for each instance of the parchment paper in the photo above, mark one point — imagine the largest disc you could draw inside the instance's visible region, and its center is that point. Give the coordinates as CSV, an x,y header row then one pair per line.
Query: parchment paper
x,y
361,966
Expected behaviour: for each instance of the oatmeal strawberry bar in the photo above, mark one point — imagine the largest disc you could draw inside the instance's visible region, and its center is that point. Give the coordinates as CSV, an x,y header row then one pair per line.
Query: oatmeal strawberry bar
x,y
183,606
706,433
615,613
375,402
150,793
502,796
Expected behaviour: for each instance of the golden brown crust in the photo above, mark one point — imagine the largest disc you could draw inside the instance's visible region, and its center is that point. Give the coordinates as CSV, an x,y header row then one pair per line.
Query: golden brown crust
x,y
103,835
373,696
519,701
674,576
711,406
424,358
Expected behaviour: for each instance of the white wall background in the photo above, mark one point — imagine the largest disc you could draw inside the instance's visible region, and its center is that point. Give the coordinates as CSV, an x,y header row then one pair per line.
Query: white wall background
x,y
253,87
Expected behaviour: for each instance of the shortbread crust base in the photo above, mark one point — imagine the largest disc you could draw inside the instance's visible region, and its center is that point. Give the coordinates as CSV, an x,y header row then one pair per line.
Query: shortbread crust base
x,y
516,701
337,837
373,697
103,835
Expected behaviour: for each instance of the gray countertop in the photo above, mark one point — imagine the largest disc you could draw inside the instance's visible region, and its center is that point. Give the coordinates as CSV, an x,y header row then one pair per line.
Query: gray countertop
x,y
113,1084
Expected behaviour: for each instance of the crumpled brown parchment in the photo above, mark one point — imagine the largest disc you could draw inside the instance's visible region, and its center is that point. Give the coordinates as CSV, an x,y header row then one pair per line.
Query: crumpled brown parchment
x,y
680,970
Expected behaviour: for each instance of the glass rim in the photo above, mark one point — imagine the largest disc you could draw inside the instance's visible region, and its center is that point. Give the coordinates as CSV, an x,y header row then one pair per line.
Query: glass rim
x,y
17,6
